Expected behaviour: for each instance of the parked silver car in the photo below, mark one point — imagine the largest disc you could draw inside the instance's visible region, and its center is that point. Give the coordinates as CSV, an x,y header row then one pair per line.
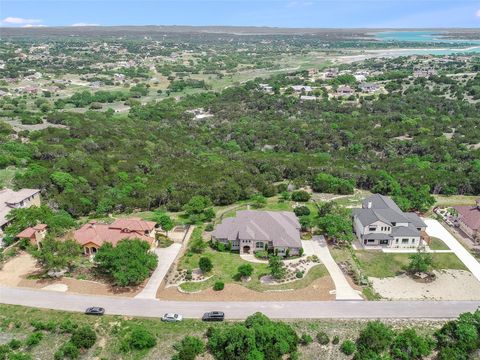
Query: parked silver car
x,y
170,317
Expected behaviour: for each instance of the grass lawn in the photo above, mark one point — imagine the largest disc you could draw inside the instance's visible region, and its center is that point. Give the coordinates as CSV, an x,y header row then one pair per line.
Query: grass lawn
x,y
381,265
444,201
15,323
437,244
225,265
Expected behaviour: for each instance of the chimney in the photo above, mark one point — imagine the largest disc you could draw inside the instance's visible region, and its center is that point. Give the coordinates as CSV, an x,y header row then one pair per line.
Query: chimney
x,y
369,205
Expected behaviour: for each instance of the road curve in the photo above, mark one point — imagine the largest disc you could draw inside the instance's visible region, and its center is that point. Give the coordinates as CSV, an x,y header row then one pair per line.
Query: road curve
x,y
240,309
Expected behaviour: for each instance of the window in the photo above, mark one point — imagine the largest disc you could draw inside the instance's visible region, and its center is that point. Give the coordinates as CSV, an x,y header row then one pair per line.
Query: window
x,y
371,240
396,241
404,241
383,242
259,245
372,228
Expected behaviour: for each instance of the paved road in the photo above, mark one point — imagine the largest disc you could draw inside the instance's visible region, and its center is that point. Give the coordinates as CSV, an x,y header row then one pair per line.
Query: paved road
x,y
343,290
166,257
436,229
240,309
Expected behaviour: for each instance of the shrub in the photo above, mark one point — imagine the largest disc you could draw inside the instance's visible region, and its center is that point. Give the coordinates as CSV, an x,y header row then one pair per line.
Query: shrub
x,y
306,339
408,345
245,270
34,338
335,340
47,326
84,337
348,347
188,275
188,348
299,274
209,227
137,338
322,338
68,326
4,351
261,254
14,344
376,336
300,195
19,356
67,350
220,246
218,286
301,211
205,264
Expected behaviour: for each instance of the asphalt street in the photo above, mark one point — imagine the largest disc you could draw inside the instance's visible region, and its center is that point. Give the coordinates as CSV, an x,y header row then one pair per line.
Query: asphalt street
x,y
239,309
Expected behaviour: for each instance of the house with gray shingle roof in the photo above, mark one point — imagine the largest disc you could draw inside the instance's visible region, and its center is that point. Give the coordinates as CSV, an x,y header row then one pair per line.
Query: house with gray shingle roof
x,y
381,223
254,230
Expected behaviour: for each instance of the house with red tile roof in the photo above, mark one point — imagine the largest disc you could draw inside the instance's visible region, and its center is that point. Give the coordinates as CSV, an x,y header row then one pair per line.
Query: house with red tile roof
x,y
93,235
469,220
34,234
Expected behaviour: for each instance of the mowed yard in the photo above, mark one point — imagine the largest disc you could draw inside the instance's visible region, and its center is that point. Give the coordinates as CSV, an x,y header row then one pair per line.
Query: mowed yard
x,y
381,265
225,265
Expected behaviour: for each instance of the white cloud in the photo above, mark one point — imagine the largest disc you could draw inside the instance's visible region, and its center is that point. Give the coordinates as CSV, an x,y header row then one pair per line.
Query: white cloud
x,y
19,21
32,25
478,13
84,24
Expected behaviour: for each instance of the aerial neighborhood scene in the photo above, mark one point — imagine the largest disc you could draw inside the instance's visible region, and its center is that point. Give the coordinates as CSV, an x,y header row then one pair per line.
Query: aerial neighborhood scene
x,y
240,180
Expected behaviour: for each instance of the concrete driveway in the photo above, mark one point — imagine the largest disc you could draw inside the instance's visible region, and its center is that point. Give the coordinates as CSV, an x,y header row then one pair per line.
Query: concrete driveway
x,y
343,290
166,257
436,229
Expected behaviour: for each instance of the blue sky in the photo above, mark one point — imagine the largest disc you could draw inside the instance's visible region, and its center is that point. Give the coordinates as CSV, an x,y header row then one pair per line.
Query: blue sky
x,y
279,13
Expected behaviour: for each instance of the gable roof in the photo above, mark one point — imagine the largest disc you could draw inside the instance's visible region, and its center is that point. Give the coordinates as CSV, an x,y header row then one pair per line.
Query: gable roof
x,y
281,228
380,202
382,208
470,215
30,231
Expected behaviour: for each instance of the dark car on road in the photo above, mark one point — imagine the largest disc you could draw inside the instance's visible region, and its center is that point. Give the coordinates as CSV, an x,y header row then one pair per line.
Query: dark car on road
x,y
213,316
95,310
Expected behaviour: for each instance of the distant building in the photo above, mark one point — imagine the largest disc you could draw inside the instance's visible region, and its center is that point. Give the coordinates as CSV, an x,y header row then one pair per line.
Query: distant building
x,y
10,199
469,220
93,235
330,73
266,88
424,73
252,230
369,87
302,88
381,223
308,97
345,90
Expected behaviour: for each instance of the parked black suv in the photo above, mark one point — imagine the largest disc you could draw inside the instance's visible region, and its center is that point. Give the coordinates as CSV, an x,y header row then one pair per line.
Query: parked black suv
x,y
213,316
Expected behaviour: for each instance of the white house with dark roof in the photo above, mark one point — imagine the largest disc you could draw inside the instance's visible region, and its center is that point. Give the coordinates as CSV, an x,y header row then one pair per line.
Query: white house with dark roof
x,y
253,230
381,223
